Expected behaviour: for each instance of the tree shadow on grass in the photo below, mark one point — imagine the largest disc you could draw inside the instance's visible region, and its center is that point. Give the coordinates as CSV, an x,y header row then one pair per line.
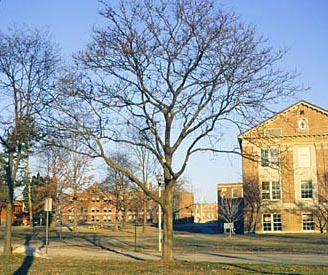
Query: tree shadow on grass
x,y
28,260
258,271
95,241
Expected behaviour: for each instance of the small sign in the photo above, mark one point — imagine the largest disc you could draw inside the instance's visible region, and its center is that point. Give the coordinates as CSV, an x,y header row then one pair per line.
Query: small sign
x,y
48,204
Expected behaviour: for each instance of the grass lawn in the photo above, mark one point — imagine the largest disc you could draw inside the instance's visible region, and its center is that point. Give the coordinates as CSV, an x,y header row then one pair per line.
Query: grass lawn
x,y
37,266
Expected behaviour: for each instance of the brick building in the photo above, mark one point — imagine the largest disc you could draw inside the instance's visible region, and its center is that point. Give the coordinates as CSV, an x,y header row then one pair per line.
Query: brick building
x,y
184,207
100,208
285,171
206,212
230,208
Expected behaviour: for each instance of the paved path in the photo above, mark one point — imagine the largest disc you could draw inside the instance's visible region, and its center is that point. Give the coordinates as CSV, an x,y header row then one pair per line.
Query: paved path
x,y
61,250
262,258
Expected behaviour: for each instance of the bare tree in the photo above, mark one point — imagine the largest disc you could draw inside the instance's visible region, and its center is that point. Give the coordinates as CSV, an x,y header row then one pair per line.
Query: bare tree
x,y
27,64
169,76
253,203
230,211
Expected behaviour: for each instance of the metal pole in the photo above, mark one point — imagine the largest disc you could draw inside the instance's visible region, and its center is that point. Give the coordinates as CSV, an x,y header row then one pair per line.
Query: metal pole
x,y
47,230
159,219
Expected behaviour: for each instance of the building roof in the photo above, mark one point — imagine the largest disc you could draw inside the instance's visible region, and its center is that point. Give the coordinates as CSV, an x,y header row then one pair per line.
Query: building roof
x,y
283,113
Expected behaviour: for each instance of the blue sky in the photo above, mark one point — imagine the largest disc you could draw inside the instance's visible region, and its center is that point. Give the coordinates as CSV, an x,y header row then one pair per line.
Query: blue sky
x,y
301,26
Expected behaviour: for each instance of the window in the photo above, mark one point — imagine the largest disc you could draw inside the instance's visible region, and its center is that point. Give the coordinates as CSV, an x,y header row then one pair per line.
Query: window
x,y
271,190
272,222
234,193
307,222
269,157
306,190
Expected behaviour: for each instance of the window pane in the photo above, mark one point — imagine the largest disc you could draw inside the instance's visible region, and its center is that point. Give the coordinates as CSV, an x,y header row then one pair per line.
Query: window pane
x,y
274,156
267,222
265,190
306,190
277,226
276,194
264,157
307,222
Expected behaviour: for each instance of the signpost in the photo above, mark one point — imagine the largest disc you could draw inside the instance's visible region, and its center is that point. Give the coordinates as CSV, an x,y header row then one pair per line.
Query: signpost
x,y
47,209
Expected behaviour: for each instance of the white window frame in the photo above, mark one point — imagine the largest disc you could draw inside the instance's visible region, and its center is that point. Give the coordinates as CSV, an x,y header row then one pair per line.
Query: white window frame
x,y
232,194
273,221
308,223
270,157
271,191
306,190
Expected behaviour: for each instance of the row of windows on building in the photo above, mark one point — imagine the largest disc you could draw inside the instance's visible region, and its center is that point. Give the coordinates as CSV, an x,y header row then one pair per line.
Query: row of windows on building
x,y
92,219
93,209
273,222
271,190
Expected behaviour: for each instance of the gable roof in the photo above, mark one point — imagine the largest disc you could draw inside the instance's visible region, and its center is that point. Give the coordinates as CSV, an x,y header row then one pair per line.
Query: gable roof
x,y
283,112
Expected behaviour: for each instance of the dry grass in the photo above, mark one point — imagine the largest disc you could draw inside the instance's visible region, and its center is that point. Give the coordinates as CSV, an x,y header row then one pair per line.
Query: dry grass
x,y
12,264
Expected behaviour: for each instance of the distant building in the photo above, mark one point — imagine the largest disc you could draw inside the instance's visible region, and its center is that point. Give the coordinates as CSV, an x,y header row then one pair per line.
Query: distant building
x,y
285,171
98,208
230,208
183,207
206,212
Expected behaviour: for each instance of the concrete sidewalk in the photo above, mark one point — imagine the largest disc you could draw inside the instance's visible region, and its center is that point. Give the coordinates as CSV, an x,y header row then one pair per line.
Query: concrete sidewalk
x,y
57,249
258,257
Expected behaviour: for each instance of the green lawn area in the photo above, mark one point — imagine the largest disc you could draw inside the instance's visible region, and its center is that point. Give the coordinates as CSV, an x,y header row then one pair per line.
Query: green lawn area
x,y
184,242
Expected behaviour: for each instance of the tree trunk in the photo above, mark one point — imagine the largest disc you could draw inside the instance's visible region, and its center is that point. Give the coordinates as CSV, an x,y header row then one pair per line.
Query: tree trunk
x,y
145,208
7,250
167,252
124,219
29,191
116,219
74,213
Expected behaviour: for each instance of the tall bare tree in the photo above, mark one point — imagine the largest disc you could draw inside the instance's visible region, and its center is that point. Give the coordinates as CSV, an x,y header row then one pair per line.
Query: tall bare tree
x,y
170,76
28,62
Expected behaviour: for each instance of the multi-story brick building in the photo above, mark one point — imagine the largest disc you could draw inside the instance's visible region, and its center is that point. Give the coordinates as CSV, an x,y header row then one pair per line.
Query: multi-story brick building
x,y
96,207
230,208
285,171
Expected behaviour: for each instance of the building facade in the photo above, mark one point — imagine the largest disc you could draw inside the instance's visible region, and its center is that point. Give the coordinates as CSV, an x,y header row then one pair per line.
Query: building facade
x,y
206,212
230,208
285,171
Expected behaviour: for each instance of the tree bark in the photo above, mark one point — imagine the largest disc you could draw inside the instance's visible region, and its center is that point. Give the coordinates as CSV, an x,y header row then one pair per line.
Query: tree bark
x,y
145,208
167,252
7,250
29,191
